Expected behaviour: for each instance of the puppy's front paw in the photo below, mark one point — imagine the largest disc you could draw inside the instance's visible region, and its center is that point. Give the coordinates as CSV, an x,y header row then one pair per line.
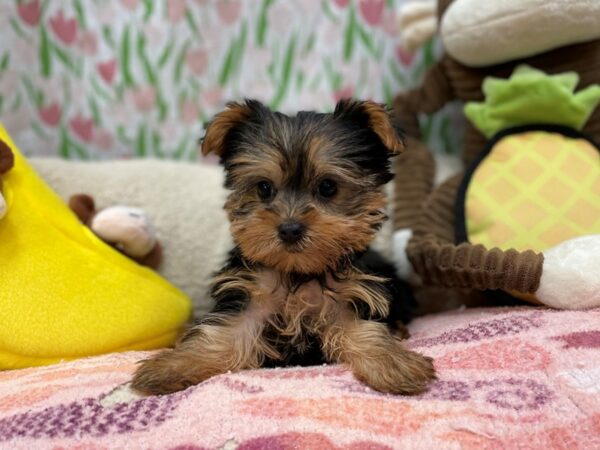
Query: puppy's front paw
x,y
163,374
399,372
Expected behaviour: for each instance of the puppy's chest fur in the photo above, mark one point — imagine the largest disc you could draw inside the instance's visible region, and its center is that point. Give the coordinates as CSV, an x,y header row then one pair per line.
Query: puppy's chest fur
x,y
288,309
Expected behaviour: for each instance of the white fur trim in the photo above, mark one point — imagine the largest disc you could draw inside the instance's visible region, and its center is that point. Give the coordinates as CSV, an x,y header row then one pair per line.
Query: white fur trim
x,y
404,268
571,276
480,33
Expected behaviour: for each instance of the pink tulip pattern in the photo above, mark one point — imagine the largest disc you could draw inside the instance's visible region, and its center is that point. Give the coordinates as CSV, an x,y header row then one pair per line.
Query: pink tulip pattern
x,y
29,12
137,78
64,29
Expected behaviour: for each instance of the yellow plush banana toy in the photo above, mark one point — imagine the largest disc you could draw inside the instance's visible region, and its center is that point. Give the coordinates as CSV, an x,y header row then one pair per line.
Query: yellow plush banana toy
x,y
65,294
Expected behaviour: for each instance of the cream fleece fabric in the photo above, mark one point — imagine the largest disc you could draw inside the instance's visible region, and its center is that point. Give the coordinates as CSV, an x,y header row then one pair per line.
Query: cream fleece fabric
x,y
185,202
479,33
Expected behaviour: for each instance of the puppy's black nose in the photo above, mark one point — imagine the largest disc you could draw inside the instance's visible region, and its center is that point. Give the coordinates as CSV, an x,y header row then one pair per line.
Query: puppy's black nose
x,y
291,232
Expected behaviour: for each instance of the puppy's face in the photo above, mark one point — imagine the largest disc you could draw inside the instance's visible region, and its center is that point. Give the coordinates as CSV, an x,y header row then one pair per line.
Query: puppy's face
x,y
305,190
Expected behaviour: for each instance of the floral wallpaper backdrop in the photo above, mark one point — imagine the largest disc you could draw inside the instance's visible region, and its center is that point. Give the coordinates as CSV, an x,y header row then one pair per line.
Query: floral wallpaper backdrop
x,y
91,79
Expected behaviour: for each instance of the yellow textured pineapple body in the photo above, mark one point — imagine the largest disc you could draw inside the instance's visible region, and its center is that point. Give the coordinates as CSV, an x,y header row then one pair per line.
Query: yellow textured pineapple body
x,y
532,189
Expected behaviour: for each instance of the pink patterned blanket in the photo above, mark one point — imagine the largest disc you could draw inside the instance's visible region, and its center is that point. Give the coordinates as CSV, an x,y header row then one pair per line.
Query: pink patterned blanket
x,y
508,379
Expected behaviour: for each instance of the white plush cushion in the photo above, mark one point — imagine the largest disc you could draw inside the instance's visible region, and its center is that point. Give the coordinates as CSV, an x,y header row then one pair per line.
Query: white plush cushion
x,y
484,32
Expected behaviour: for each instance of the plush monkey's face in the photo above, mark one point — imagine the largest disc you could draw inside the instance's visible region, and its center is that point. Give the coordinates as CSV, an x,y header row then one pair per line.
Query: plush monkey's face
x,y
481,33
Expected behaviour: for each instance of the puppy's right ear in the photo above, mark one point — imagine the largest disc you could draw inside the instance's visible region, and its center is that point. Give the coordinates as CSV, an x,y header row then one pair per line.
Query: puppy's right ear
x,y
235,114
83,206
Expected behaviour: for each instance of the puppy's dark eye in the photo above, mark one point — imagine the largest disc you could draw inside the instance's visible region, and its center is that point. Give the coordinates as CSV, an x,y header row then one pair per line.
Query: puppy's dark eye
x,y
265,190
327,188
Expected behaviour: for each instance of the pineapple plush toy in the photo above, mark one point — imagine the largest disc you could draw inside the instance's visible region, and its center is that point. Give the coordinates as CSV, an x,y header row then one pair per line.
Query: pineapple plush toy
x,y
523,218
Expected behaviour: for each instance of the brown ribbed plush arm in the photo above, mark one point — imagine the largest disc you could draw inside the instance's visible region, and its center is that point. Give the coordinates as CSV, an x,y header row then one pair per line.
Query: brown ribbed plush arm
x,y
433,93
414,175
439,261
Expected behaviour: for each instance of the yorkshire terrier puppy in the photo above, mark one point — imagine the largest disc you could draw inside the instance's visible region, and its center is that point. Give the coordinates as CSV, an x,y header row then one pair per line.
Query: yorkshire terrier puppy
x,y
301,286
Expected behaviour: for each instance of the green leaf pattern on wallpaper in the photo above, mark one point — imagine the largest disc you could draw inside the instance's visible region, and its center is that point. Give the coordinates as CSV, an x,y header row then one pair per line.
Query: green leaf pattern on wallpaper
x,y
92,79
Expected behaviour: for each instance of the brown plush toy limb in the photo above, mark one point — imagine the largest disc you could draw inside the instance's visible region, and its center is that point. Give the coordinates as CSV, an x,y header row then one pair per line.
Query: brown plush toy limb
x,y
127,229
435,91
7,160
413,181
438,261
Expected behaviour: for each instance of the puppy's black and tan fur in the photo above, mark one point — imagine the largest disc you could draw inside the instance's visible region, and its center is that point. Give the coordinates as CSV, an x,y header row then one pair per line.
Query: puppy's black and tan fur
x,y
301,287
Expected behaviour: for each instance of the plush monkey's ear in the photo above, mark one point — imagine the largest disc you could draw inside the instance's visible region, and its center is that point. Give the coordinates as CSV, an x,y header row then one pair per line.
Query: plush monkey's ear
x,y
7,159
214,139
374,116
83,206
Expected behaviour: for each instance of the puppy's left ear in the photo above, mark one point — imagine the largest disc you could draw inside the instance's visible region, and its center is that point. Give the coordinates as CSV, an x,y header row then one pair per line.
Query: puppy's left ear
x,y
374,116
215,137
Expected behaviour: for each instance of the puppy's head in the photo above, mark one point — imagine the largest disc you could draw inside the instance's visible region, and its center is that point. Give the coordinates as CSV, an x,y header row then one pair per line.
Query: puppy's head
x,y
306,190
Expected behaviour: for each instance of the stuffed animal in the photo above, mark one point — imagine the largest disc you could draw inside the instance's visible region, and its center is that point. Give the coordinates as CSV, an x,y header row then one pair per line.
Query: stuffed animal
x,y
65,293
7,161
128,229
555,37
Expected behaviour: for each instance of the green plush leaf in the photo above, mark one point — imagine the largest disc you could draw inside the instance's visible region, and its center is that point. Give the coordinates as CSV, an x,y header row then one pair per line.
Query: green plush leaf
x,y
286,70
45,61
530,96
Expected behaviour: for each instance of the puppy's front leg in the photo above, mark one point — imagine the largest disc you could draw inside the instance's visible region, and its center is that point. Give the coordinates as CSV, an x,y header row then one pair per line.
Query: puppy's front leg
x,y
217,345
377,357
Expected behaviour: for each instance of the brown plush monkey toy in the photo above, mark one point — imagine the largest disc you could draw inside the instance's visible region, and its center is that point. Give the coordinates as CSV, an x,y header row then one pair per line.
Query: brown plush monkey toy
x,y
127,229
7,161
484,39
